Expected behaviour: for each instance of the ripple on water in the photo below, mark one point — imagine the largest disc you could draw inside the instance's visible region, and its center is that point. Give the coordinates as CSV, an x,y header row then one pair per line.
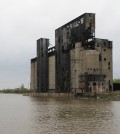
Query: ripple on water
x,y
31,115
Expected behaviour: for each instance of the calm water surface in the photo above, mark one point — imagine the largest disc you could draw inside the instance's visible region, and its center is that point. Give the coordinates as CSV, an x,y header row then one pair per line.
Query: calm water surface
x,y
30,115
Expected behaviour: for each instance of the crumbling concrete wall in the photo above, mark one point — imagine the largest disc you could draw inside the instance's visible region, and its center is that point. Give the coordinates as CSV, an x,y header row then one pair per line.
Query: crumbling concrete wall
x,y
97,62
105,47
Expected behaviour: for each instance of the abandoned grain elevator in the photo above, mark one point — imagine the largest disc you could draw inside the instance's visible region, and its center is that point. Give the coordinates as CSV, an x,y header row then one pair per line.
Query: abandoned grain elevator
x,y
78,62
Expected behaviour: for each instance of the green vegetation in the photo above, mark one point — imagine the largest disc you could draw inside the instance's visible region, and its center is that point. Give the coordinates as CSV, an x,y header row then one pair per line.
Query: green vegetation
x,y
111,96
114,96
19,90
116,81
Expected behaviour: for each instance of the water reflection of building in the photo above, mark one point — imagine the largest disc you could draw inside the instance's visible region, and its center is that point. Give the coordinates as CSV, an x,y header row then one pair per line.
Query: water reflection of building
x,y
79,62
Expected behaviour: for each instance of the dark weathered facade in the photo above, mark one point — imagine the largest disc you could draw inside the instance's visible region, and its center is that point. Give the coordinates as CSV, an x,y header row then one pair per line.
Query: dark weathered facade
x,y
80,29
79,62
42,65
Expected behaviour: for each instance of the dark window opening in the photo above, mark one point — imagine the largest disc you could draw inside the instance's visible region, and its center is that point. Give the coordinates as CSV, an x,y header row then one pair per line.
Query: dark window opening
x,y
109,68
104,59
97,45
62,48
73,45
104,49
109,63
59,39
100,58
67,34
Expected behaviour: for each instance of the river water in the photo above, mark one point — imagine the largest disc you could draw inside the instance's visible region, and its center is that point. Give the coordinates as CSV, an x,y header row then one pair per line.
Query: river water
x,y
31,115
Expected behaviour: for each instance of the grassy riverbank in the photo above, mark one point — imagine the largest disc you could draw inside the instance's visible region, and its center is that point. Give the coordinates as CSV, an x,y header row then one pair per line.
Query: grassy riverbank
x,y
15,91
114,96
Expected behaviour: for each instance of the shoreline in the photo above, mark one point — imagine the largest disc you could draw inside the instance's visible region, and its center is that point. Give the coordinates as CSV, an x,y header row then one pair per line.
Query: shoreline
x,y
112,96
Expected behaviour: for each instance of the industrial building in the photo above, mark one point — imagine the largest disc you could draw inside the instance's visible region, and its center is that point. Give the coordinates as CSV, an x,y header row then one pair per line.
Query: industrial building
x,y
78,63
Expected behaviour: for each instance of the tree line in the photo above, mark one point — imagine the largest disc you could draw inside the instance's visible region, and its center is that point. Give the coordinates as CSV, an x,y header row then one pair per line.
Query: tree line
x,y
19,90
116,81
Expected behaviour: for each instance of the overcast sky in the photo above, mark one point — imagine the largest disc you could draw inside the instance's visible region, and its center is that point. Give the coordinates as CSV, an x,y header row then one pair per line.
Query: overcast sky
x,y
22,22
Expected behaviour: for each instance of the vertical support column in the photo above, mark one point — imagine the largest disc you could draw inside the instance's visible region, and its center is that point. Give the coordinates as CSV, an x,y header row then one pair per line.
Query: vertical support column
x,y
33,83
42,65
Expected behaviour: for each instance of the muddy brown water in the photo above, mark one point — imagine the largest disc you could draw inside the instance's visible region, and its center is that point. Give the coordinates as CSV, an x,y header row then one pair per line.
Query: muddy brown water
x,y
32,115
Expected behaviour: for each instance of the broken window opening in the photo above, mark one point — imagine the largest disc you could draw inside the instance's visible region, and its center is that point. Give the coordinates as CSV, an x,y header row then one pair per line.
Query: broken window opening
x,y
89,40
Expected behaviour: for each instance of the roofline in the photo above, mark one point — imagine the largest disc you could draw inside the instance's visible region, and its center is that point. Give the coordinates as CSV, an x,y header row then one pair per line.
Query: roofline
x,y
74,20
